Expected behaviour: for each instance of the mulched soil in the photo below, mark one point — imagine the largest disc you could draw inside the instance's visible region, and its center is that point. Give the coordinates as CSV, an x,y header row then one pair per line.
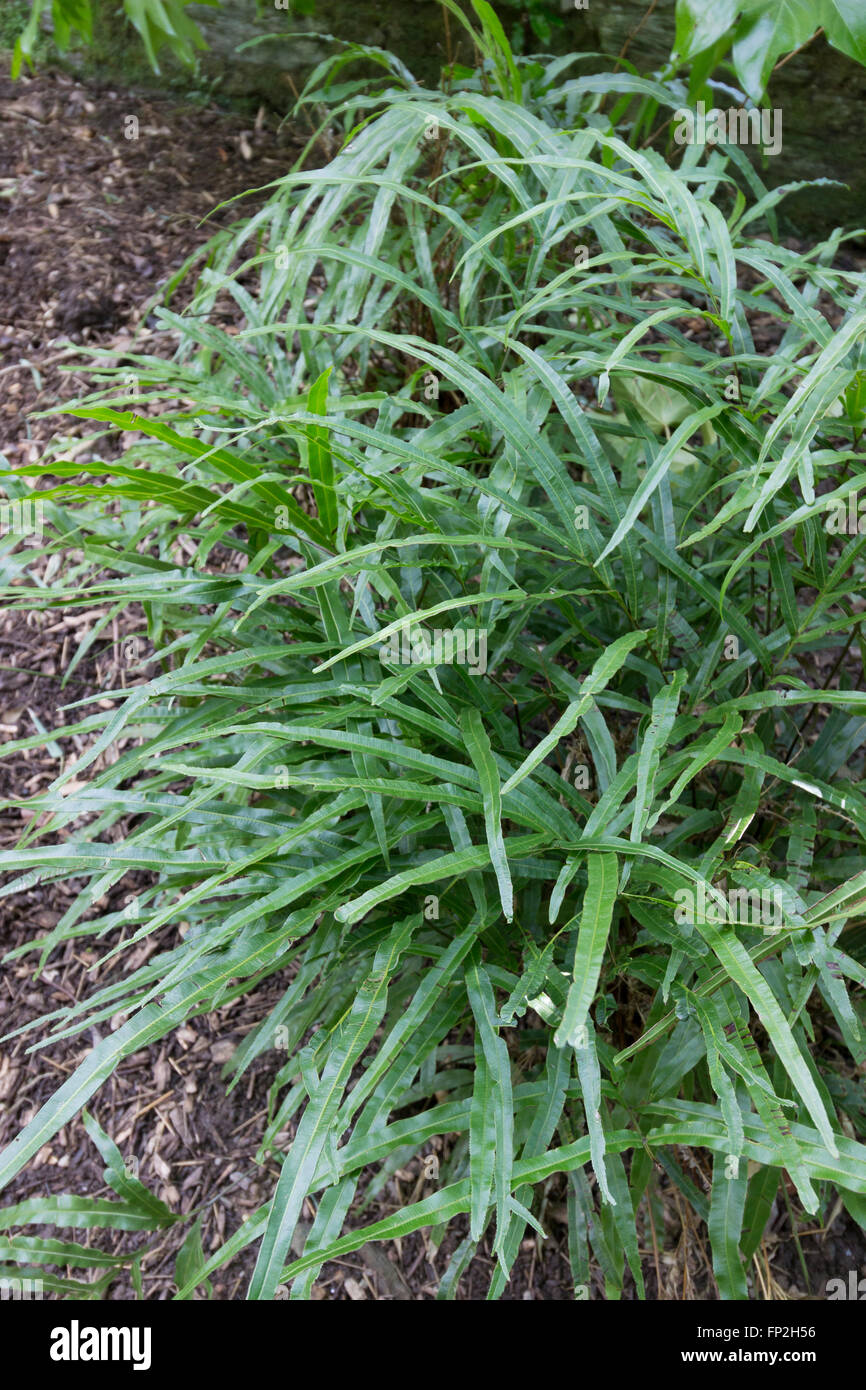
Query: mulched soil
x,y
91,223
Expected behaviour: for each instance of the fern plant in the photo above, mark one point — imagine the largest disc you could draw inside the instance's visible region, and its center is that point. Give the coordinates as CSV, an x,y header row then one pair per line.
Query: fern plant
x,y
508,656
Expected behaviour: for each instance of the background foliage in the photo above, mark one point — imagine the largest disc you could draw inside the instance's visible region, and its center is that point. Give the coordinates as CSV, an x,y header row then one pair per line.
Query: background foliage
x,y
747,36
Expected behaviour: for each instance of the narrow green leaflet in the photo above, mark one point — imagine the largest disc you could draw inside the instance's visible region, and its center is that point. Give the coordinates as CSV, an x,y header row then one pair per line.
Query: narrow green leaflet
x,y
592,933
589,1076
479,750
493,1113
664,713
727,1206
602,672
321,462
740,968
